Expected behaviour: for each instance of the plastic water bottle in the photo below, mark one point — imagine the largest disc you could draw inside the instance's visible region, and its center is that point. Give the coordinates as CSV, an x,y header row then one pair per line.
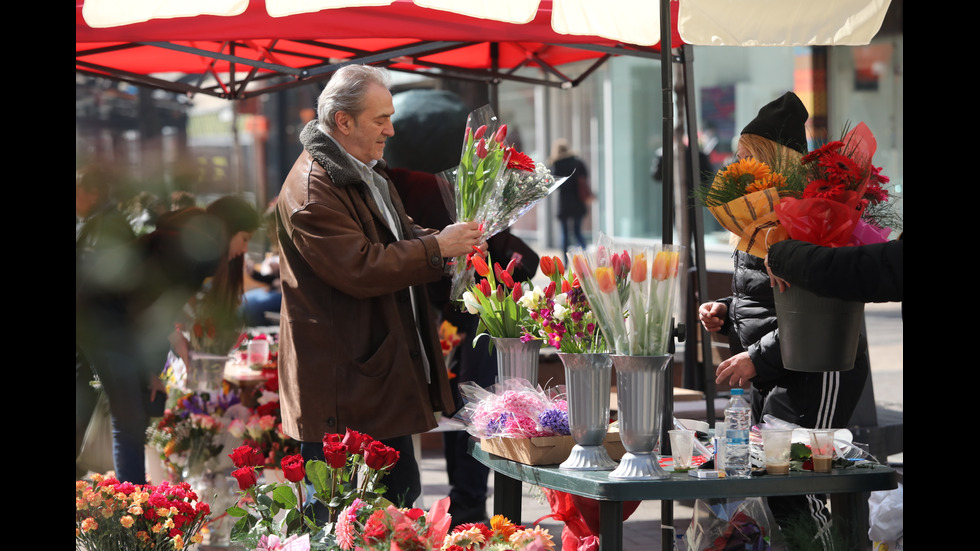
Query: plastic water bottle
x,y
738,422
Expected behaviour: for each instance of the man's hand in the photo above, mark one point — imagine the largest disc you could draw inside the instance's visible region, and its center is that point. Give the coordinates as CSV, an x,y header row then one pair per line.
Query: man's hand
x,y
738,369
459,239
712,315
775,280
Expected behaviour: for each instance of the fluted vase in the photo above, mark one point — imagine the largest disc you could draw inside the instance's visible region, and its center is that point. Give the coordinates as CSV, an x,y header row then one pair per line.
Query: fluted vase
x,y
588,383
517,359
640,386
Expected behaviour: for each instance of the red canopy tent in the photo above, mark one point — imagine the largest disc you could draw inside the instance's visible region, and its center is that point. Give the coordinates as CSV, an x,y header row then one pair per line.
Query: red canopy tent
x,y
252,53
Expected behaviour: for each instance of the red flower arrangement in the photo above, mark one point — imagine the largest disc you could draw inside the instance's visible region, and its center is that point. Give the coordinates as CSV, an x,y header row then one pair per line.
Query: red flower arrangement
x,y
114,515
844,192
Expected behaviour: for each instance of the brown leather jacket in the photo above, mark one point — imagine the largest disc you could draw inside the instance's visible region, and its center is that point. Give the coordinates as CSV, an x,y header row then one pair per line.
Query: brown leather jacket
x,y
349,352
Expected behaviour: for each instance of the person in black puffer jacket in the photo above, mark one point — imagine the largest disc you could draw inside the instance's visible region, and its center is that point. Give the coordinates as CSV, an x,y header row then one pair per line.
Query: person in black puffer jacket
x,y
810,400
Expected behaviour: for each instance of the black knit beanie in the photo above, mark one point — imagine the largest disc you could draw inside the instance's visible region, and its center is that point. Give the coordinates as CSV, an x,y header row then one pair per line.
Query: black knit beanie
x,y
781,121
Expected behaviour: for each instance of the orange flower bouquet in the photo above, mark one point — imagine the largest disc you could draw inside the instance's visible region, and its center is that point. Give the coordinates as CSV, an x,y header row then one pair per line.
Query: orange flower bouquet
x,y
743,198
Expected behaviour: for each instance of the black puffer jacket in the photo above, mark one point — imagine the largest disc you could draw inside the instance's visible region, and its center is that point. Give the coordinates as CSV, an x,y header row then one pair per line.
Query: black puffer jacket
x,y
751,323
825,399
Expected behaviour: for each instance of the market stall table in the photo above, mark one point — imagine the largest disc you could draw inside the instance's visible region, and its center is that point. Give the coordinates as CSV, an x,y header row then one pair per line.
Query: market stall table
x,y
845,487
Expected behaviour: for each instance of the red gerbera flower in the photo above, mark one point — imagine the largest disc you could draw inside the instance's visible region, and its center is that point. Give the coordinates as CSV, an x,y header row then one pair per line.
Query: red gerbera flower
x,y
519,161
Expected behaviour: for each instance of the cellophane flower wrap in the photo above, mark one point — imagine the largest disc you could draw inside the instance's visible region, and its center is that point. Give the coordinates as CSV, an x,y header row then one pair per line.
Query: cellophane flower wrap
x,y
632,289
513,408
604,277
743,197
653,293
119,516
496,298
560,313
494,184
844,201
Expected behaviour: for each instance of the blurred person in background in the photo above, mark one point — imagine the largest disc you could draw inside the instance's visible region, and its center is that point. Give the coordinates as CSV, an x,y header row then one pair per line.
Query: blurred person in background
x,y
126,311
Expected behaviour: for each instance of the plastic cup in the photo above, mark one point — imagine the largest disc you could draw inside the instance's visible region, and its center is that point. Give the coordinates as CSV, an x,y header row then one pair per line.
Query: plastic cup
x,y
822,449
777,444
681,448
258,352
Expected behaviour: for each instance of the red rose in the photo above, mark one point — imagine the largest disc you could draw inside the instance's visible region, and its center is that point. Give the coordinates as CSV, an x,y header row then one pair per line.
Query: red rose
x,y
292,468
378,456
245,476
246,456
356,442
335,454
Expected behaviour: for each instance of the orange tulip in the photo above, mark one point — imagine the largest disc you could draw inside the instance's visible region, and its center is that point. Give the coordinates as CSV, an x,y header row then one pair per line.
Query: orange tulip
x,y
639,271
547,265
559,265
480,266
665,265
606,279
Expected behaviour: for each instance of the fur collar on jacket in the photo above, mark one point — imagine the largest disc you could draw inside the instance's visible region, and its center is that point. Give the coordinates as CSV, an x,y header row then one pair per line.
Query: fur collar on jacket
x,y
328,155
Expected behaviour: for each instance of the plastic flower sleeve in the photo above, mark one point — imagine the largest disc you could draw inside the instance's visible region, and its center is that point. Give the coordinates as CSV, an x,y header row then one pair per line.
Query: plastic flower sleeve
x,y
597,276
653,291
512,409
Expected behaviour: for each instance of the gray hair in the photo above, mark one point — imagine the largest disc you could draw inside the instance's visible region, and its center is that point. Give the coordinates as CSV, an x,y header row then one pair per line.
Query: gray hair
x,y
345,92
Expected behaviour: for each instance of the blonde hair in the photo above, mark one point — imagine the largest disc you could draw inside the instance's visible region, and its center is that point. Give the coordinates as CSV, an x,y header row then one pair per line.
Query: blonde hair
x,y
772,153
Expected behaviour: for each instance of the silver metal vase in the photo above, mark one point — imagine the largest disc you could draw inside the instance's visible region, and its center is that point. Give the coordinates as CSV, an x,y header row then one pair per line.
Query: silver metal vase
x,y
588,383
517,359
640,384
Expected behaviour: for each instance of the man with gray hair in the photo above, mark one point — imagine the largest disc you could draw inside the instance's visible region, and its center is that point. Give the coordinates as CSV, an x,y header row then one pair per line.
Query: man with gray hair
x,y
358,345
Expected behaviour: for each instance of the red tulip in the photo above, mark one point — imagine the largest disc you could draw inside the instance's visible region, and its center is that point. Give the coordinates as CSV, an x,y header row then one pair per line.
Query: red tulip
x,y
566,286
501,134
484,287
511,266
501,293
507,279
559,265
518,292
480,132
549,291
481,149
